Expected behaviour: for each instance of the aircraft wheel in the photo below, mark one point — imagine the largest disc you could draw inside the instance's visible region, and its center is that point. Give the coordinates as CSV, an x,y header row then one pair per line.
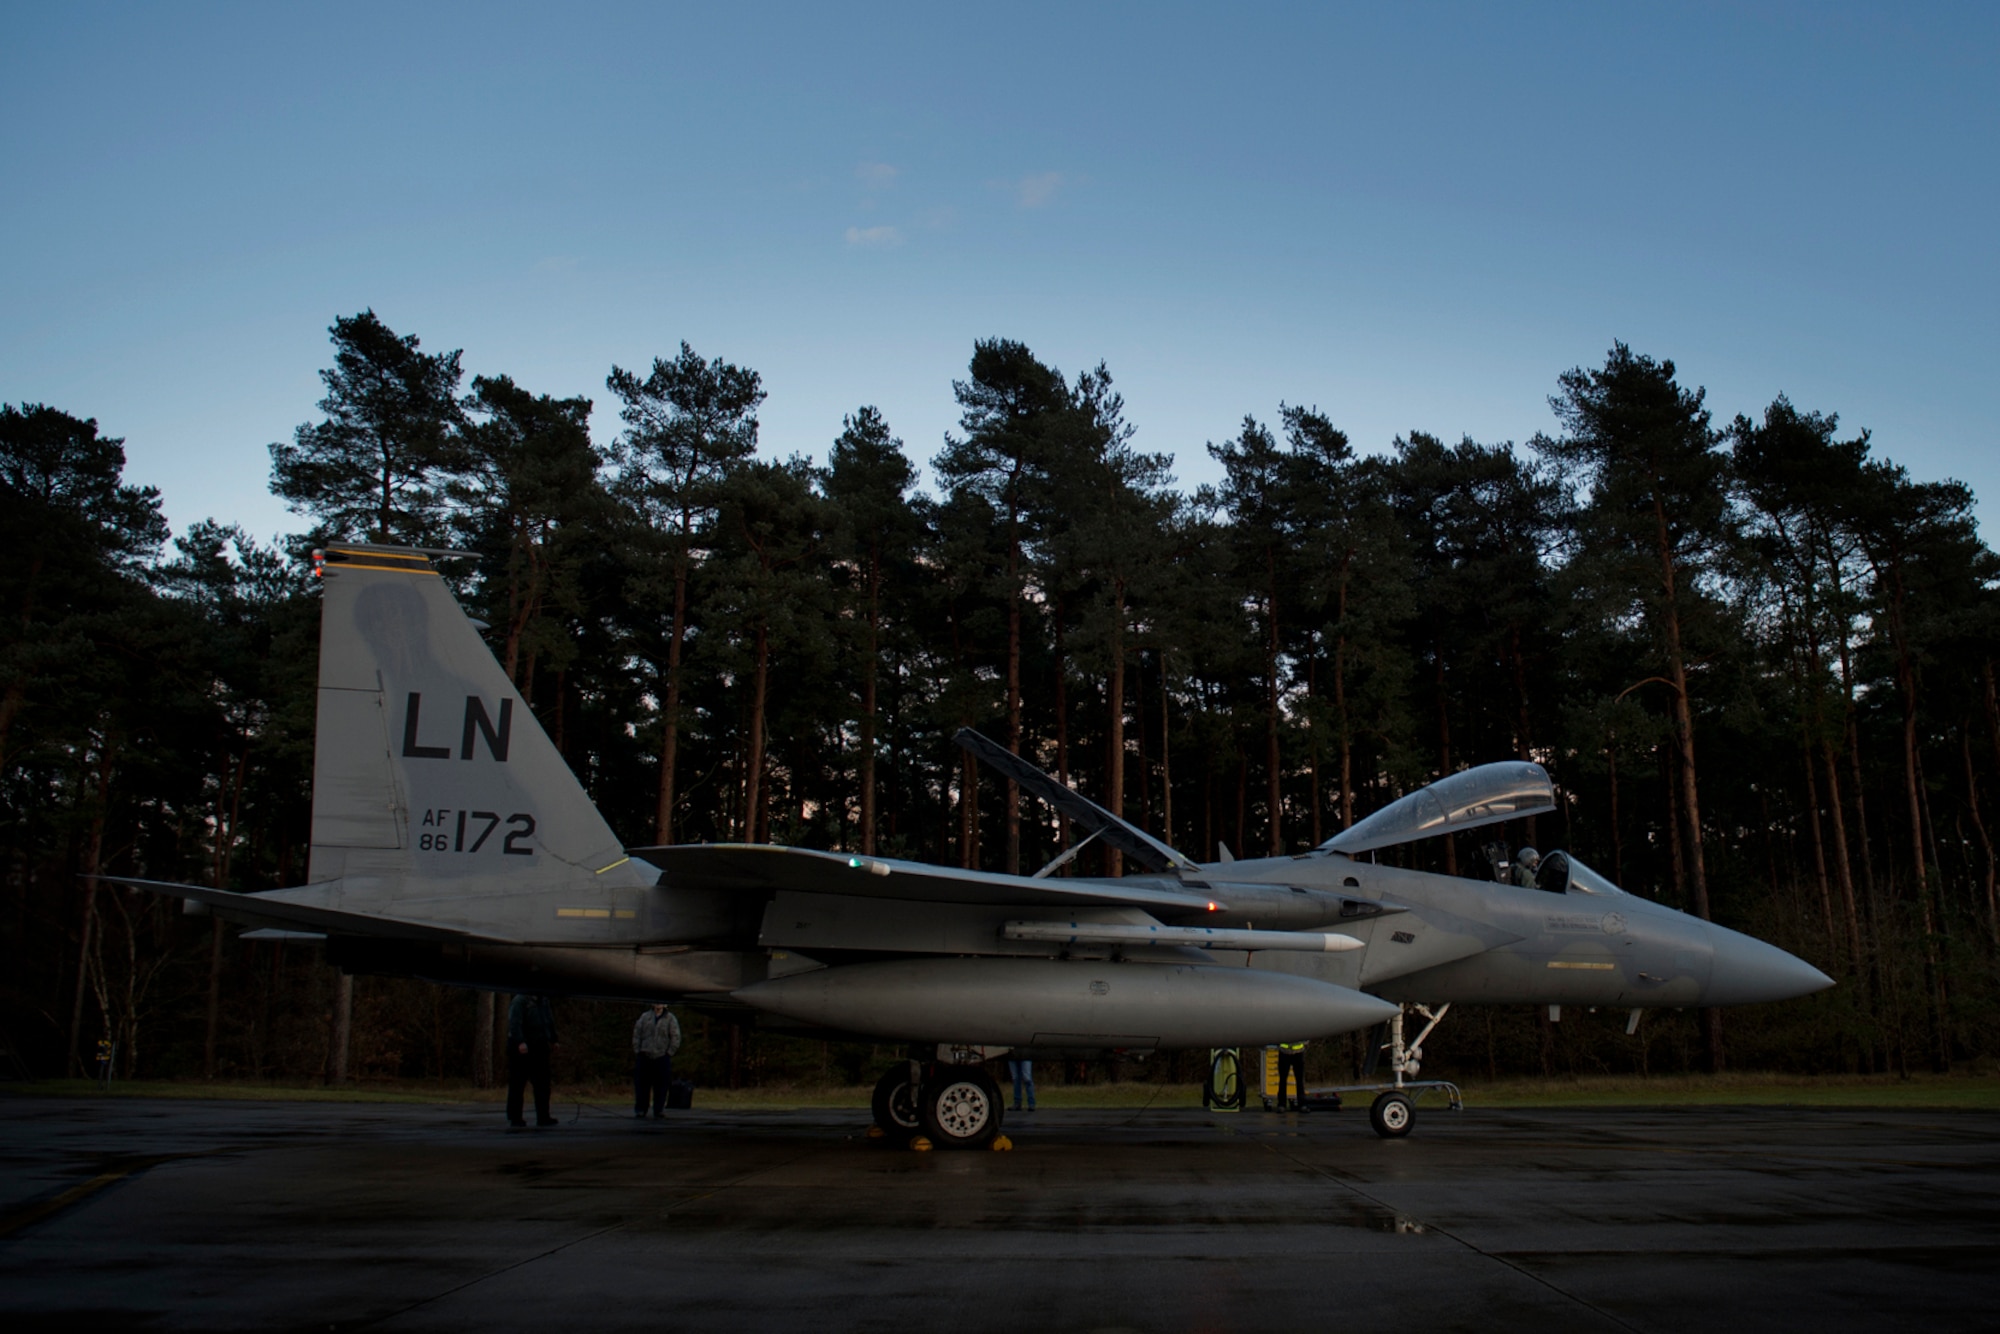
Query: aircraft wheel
x,y
1391,1115
960,1108
895,1102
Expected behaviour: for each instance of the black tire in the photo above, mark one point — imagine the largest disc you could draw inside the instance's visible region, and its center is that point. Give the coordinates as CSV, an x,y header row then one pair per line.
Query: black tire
x,y
895,1103
961,1108
1392,1115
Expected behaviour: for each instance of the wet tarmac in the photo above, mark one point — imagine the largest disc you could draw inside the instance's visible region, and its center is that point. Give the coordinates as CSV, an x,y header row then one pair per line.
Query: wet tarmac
x,y
159,1214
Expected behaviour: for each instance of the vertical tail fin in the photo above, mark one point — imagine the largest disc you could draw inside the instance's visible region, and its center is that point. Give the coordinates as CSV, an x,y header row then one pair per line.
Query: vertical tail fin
x,y
428,765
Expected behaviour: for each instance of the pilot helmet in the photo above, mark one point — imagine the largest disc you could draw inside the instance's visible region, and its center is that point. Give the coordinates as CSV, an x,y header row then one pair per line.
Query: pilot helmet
x,y
1529,858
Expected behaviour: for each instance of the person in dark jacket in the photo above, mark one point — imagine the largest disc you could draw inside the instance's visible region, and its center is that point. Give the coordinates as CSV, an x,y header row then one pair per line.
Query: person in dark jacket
x,y
531,1037
655,1039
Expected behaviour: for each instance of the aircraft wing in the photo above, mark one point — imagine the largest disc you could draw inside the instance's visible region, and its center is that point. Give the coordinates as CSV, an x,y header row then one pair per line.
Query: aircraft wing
x,y
760,866
269,911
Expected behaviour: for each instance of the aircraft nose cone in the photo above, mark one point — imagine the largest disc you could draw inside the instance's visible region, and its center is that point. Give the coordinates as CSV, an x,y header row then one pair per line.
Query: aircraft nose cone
x,y
1749,972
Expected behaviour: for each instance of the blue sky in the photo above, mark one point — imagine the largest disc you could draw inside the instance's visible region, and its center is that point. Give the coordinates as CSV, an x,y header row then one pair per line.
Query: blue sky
x,y
1412,216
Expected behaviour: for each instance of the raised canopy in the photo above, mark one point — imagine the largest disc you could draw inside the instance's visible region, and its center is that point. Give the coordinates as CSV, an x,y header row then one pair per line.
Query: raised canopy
x,y
1483,795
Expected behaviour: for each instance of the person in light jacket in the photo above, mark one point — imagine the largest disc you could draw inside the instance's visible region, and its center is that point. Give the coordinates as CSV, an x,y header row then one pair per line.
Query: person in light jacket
x,y
655,1039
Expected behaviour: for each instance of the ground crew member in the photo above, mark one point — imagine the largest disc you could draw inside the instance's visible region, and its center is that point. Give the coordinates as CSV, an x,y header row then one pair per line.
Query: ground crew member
x,y
1292,1061
1524,867
1021,1074
531,1037
655,1040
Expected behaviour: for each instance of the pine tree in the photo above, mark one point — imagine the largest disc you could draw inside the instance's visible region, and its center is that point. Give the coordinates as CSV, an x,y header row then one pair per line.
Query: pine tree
x,y
376,467
877,529
1656,517
688,425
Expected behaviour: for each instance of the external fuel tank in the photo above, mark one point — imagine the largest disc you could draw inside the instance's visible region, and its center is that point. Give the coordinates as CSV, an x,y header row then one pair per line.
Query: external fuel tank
x,y
1067,1003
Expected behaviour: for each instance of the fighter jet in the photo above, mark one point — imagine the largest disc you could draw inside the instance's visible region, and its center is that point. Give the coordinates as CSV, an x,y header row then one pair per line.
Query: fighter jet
x,y
451,841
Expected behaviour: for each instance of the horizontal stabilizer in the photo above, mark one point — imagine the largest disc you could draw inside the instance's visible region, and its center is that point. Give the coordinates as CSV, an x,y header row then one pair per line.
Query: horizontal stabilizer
x,y
762,866
267,910
1129,839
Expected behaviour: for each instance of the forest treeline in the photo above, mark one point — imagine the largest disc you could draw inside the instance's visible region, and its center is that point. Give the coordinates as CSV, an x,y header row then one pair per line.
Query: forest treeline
x,y
1756,657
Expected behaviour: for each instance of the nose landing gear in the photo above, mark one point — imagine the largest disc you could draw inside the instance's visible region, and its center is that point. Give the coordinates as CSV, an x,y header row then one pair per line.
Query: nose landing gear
x,y
1393,1113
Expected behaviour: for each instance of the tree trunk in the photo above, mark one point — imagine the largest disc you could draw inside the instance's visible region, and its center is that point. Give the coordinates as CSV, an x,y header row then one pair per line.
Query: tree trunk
x,y
1854,767
670,715
225,844
16,695
343,1025
93,852
1673,830
1340,703
388,482
1818,844
1166,766
1524,740
1242,799
1275,780
214,1013
1062,728
753,801
482,1040
1208,853
1012,814
1906,684
1617,838
1979,827
1843,869
1444,749
1313,740
1140,770
968,810
1690,789
1114,860
868,670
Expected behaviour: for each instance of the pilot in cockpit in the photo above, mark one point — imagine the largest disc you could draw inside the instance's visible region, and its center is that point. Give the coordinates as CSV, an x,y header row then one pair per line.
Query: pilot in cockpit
x,y
1525,862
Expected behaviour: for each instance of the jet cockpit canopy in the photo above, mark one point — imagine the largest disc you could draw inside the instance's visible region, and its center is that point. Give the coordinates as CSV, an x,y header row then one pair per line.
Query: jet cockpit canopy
x,y
1580,879
1478,796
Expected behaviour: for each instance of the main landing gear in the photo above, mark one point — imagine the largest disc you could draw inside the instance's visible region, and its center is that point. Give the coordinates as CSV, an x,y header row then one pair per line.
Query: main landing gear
x,y
954,1106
